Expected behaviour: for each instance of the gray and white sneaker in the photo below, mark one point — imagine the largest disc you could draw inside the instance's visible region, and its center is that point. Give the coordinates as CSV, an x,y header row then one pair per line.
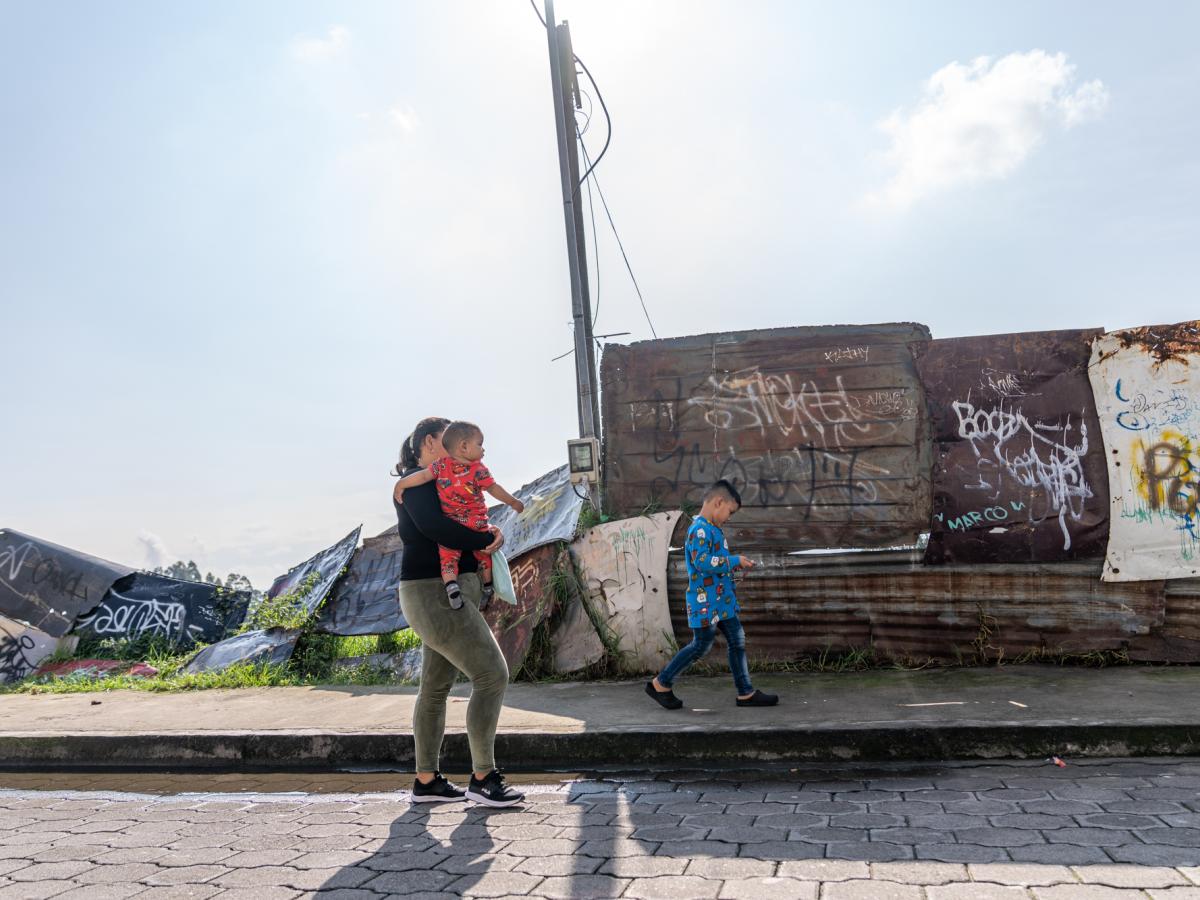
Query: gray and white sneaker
x,y
492,791
437,791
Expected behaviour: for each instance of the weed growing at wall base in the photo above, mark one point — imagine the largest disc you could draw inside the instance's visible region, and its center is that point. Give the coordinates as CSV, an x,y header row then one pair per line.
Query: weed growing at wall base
x,y
314,662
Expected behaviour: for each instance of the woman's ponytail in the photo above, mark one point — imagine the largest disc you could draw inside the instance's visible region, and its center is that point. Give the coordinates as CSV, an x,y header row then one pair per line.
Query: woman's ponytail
x,y
408,459
411,448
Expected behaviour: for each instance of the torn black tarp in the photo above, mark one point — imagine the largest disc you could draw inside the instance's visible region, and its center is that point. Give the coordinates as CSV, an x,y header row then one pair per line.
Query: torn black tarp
x,y
183,613
326,566
365,602
551,514
49,586
273,647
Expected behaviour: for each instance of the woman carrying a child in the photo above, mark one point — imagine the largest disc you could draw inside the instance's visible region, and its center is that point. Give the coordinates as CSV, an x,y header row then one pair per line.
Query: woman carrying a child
x,y
454,639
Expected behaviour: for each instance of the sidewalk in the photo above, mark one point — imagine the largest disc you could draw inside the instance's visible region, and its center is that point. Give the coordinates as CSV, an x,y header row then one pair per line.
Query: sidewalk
x,y
1009,712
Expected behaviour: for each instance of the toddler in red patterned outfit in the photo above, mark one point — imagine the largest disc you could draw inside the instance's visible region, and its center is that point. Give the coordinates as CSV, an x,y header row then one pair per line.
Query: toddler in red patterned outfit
x,y
461,478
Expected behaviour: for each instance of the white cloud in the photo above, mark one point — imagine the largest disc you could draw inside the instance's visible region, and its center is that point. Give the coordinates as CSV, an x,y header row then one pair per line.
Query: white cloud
x,y
315,50
981,121
405,118
157,553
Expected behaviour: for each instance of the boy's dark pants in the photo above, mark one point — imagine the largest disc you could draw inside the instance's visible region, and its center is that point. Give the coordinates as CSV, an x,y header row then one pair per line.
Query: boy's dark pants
x,y
702,641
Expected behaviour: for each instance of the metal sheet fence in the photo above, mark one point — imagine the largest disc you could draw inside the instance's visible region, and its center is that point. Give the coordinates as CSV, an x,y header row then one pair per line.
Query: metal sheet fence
x,y
1000,448
1019,472
1147,385
795,606
823,430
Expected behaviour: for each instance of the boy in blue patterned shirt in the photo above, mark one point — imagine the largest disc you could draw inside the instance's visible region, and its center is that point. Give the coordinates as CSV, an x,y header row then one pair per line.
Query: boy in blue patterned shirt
x,y
711,601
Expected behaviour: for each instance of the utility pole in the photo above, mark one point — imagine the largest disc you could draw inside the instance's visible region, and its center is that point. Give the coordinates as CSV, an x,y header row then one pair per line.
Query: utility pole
x,y
565,88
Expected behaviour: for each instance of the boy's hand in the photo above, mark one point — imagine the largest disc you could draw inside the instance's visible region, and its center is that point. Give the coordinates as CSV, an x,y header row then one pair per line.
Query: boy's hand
x,y
746,563
518,506
399,495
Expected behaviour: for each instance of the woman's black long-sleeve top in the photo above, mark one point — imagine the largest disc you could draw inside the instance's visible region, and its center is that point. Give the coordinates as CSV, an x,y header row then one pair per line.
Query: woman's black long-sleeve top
x,y
423,525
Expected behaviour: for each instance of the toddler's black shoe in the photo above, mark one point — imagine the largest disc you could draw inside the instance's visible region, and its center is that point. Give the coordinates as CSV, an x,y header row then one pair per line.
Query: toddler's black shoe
x,y
488,594
454,592
437,791
492,791
665,699
758,698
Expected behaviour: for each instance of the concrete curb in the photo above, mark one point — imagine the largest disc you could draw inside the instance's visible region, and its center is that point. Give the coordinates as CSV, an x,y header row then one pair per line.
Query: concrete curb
x,y
533,751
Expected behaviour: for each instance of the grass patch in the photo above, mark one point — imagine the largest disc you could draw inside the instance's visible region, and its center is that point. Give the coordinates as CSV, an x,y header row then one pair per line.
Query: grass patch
x,y
313,662
283,611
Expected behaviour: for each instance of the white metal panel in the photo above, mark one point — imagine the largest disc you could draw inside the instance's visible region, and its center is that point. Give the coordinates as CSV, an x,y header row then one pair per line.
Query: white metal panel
x,y
624,565
1146,383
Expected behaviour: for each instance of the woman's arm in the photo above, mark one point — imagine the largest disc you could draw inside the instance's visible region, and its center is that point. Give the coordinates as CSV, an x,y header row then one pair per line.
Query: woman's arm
x,y
426,512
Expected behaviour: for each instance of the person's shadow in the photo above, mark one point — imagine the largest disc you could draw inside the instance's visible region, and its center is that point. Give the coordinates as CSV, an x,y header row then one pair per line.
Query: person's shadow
x,y
436,848
449,849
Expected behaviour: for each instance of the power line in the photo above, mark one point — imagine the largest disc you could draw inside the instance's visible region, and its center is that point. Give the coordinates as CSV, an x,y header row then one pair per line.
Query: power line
x,y
590,173
613,225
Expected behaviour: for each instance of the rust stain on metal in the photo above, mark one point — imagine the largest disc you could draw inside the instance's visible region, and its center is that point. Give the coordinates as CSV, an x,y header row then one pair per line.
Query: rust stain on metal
x,y
1019,473
823,430
513,626
795,606
1163,342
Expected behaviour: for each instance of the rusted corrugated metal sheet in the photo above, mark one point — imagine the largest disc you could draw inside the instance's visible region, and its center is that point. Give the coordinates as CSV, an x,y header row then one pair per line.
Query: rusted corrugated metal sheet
x,y
798,605
1019,472
1178,640
1147,387
513,626
822,429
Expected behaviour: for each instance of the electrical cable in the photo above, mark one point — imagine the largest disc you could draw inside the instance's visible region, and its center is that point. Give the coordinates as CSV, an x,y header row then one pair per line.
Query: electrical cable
x,y
595,242
599,96
586,115
607,119
590,173
624,256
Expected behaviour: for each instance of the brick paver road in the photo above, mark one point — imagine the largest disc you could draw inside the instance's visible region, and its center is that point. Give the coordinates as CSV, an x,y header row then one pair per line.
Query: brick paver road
x,y
1106,829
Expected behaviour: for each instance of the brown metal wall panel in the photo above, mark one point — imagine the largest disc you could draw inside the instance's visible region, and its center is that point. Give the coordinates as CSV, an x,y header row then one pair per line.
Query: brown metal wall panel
x,y
823,431
1019,471
514,626
799,605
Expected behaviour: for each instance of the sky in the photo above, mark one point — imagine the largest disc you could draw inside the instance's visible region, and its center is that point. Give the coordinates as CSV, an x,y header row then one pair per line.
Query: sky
x,y
245,247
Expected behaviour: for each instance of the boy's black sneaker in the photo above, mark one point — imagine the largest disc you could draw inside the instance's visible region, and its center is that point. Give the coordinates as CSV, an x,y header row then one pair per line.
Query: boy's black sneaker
x,y
758,698
437,791
492,791
488,594
665,699
454,592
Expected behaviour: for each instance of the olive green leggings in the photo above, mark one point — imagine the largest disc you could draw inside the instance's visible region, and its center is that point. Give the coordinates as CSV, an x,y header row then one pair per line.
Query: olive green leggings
x,y
454,640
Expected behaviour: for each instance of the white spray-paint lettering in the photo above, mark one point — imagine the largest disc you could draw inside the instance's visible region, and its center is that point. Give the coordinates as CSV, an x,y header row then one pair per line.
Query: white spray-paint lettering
x,y
827,418
1007,439
134,618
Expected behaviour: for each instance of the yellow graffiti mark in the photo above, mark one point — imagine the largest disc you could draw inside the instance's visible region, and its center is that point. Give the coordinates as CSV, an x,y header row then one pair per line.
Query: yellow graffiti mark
x,y
1166,473
540,506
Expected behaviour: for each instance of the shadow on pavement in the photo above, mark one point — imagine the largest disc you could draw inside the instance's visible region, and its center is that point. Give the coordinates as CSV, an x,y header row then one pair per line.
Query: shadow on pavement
x,y
590,838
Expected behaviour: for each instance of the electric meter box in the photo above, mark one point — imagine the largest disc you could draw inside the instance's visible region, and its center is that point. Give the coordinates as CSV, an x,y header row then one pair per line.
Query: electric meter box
x,y
583,454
